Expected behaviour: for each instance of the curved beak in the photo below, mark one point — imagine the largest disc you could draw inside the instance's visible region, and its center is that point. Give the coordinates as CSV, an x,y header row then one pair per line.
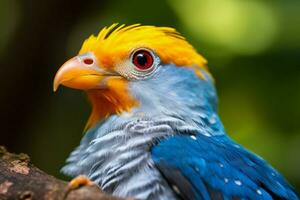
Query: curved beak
x,y
80,72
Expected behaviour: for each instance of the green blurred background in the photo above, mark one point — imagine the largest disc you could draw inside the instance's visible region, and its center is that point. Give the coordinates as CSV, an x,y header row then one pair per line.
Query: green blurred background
x,y
253,49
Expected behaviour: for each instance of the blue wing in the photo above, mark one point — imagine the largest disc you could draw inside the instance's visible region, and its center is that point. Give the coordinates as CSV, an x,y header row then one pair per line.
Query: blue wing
x,y
202,167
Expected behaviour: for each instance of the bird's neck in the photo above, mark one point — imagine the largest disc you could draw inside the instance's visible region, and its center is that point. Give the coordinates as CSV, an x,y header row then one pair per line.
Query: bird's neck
x,y
121,145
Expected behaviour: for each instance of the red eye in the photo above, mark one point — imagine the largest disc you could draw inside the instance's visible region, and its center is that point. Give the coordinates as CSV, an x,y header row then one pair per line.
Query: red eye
x,y
88,61
142,59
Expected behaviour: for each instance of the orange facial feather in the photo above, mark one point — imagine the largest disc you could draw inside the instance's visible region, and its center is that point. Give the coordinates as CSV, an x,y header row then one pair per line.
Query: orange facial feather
x,y
115,99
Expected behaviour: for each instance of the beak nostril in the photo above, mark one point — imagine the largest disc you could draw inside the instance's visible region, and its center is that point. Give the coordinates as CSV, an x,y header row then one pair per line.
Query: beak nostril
x,y
88,61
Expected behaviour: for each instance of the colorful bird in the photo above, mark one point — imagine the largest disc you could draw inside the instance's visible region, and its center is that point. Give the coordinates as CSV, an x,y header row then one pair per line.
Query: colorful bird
x,y
154,131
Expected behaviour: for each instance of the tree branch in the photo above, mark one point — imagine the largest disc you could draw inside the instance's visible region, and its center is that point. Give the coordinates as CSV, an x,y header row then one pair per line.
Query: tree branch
x,y
19,179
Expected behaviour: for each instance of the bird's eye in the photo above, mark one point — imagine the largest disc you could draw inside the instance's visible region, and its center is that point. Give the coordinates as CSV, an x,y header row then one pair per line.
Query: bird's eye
x,y
143,60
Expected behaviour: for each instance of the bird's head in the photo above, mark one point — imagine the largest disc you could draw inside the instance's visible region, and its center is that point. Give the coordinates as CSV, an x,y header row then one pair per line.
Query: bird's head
x,y
146,68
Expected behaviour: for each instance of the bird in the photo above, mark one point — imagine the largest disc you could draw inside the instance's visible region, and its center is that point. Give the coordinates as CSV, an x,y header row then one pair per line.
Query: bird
x,y
154,131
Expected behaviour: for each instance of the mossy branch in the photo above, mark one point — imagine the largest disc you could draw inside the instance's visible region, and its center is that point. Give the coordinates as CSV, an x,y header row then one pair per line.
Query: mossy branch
x,y
19,179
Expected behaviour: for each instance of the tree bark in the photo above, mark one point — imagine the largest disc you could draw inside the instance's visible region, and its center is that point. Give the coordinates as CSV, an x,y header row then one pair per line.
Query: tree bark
x,y
19,179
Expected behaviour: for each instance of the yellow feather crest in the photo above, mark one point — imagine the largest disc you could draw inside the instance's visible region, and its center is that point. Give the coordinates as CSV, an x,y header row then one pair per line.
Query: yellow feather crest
x,y
115,43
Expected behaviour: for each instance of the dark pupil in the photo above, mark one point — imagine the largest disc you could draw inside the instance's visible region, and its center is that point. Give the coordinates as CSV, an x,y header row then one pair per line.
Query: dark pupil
x,y
142,59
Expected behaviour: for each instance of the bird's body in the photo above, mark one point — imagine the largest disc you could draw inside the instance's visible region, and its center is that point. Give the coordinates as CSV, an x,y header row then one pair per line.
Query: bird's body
x,y
165,139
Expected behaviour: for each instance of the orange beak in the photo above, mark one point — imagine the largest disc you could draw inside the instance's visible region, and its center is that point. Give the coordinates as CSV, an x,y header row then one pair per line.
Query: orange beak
x,y
80,72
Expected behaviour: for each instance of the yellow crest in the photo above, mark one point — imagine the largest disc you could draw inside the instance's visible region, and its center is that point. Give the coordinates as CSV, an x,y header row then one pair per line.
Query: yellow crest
x,y
117,42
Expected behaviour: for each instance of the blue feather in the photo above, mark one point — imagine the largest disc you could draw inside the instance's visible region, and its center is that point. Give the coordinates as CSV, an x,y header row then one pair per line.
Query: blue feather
x,y
217,163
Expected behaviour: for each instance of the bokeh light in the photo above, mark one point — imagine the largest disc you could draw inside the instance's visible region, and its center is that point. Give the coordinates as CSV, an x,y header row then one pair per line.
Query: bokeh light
x,y
243,27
